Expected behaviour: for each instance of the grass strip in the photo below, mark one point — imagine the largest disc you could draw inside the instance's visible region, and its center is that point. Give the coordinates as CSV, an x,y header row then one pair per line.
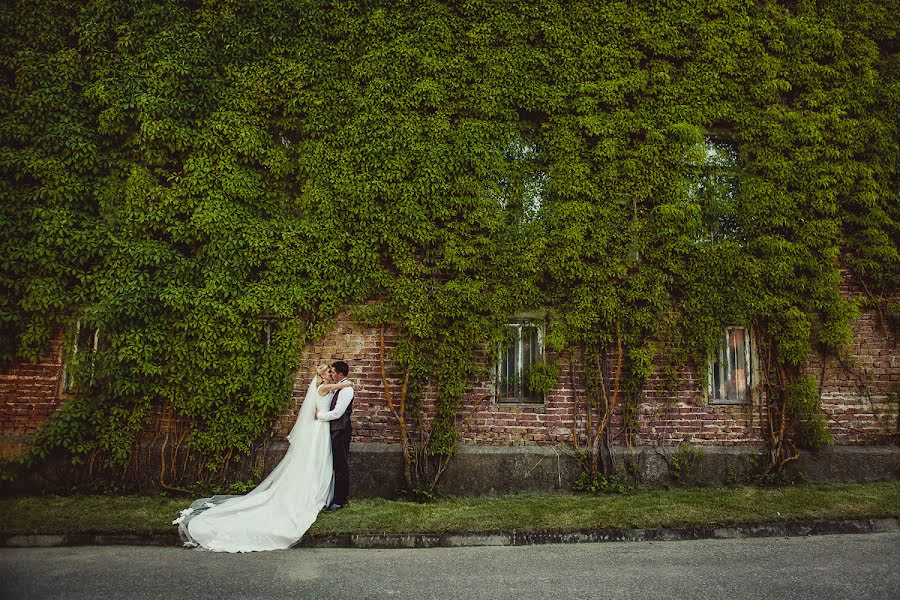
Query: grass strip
x,y
556,512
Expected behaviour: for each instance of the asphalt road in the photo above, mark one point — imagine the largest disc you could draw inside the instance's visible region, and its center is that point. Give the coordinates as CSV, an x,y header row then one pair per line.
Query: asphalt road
x,y
819,567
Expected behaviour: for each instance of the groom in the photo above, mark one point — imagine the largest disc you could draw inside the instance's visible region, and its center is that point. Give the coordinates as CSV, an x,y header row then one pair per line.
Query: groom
x,y
339,420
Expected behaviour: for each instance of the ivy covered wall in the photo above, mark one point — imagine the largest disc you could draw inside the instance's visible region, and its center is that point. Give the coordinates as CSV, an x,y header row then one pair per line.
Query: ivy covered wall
x,y
206,184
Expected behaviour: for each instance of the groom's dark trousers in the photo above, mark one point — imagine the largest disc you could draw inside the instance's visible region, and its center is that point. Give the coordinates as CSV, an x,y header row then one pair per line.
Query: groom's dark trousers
x,y
340,454
340,451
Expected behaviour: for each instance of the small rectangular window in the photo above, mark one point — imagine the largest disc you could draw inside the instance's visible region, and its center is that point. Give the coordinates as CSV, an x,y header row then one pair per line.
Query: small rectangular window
x,y
524,347
520,191
83,348
730,372
714,187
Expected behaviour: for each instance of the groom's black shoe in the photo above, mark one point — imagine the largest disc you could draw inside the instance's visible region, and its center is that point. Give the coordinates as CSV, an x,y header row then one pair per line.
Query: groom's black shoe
x,y
333,507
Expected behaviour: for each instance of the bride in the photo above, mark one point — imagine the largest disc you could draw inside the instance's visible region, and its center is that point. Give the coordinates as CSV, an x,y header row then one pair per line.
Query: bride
x,y
277,513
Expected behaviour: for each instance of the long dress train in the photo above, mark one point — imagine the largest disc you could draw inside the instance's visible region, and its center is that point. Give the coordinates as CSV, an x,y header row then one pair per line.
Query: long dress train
x,y
277,513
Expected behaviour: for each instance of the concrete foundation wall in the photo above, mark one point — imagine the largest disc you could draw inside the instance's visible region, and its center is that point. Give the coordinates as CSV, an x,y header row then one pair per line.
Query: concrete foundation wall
x,y
475,470
377,469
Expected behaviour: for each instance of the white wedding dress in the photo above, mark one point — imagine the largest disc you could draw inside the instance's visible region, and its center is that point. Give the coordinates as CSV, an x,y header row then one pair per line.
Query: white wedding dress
x,y
277,513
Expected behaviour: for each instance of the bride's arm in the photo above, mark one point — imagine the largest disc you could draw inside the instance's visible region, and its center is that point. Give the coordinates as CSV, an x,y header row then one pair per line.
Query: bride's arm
x,y
328,387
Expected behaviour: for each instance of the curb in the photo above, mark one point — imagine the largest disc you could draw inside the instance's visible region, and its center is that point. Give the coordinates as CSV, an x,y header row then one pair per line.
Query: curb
x,y
460,540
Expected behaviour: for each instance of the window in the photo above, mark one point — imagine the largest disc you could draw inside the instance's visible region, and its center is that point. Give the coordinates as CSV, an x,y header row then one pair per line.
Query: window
x,y
521,191
713,186
524,347
730,371
80,359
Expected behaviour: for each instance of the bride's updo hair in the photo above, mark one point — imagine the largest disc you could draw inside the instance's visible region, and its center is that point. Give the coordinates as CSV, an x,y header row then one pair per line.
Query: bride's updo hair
x,y
320,371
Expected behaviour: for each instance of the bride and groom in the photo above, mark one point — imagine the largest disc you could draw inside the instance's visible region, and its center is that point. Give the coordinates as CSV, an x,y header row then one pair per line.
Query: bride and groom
x,y
312,476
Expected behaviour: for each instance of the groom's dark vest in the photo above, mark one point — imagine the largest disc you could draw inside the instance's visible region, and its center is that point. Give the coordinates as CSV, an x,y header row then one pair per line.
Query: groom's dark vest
x,y
343,422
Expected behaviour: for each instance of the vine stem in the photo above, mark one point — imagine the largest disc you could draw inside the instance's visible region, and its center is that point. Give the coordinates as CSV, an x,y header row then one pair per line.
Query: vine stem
x,y
609,401
162,450
590,421
162,460
575,403
399,413
177,448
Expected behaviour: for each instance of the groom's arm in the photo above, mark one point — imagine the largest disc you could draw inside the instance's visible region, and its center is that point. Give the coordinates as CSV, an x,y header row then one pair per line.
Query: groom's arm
x,y
339,408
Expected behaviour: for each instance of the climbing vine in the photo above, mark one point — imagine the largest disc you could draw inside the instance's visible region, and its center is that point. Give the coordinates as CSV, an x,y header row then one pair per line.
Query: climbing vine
x,y
207,183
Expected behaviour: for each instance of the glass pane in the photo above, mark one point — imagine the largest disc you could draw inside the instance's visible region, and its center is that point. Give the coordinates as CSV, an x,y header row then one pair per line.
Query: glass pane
x,y
534,194
713,186
522,349
517,374
717,377
729,374
738,366
527,348
530,338
534,341
506,387
521,189
509,371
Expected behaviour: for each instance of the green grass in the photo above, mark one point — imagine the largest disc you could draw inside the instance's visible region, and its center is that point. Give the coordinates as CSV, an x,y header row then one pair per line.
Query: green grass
x,y
520,512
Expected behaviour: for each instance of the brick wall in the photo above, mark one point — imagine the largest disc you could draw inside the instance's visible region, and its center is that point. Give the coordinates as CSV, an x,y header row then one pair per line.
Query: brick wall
x,y
483,421
29,393
674,410
859,397
860,393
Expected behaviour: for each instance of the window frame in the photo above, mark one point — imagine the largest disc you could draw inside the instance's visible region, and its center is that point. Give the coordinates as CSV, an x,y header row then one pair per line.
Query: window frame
x,y
712,232
526,160
749,368
67,383
519,323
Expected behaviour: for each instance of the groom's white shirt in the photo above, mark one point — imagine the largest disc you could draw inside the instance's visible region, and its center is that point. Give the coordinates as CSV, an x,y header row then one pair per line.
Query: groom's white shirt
x,y
345,395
